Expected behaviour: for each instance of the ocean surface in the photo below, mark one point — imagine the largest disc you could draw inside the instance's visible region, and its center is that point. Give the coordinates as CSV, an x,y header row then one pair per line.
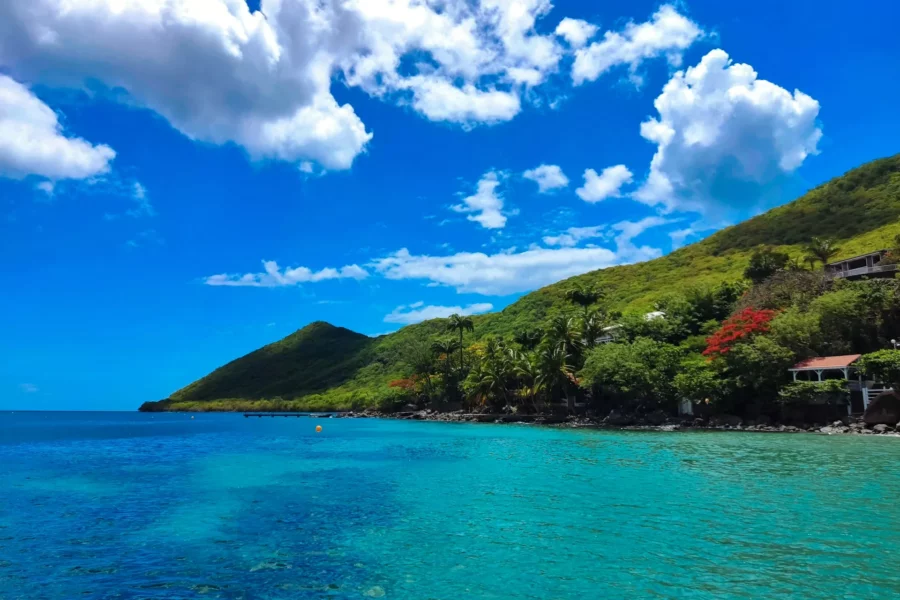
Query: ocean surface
x,y
128,505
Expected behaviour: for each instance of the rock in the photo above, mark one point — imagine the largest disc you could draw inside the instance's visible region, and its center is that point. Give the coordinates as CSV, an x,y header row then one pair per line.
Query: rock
x,y
698,422
763,420
725,420
883,410
619,419
881,428
657,417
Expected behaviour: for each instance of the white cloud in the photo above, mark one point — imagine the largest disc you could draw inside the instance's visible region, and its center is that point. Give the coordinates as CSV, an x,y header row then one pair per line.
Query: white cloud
x,y
513,272
679,236
220,73
573,235
607,184
548,177
48,187
722,135
32,141
418,312
213,69
440,100
575,31
628,230
274,276
667,33
28,388
142,205
486,203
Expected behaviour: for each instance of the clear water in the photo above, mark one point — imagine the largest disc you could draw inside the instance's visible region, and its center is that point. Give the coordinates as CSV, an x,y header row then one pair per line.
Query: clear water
x,y
108,505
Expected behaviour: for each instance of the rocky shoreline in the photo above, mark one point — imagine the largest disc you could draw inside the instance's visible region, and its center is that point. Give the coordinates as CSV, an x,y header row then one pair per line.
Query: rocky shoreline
x,y
652,422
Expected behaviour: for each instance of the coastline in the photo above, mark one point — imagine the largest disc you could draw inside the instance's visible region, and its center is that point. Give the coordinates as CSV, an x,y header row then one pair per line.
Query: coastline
x,y
652,422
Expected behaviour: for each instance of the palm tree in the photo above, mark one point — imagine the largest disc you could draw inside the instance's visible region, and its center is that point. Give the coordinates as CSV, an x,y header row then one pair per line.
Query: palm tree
x,y
488,380
592,329
528,371
528,338
445,348
557,373
584,296
563,332
821,249
460,323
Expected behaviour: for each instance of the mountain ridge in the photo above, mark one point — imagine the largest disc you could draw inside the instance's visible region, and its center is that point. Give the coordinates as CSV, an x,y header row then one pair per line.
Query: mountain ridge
x,y
321,366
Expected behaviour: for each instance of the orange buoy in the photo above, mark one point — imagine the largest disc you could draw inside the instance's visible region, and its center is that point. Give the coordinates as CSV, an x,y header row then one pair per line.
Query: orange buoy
x,y
318,428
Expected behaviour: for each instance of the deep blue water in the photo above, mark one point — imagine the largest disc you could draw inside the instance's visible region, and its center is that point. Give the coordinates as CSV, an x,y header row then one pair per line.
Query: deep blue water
x,y
128,505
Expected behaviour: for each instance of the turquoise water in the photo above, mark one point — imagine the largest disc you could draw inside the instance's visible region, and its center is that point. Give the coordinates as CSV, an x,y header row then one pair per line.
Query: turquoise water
x,y
107,505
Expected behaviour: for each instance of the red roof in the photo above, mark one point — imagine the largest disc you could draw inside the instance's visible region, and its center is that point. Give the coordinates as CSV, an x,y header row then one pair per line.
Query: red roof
x,y
828,362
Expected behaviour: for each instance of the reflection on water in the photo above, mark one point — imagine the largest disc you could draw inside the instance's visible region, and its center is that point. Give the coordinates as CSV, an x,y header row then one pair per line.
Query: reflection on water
x,y
105,505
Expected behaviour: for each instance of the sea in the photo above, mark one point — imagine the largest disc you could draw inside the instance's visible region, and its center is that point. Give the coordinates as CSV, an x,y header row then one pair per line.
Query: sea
x,y
132,505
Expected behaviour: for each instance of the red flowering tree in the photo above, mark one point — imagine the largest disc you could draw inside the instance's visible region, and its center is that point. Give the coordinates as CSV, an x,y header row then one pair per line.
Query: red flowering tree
x,y
737,328
408,385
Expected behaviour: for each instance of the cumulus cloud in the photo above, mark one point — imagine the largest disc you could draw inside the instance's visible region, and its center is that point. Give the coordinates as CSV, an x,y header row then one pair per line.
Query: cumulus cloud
x,y
575,31
418,312
486,203
574,235
668,33
548,177
32,140
723,135
221,73
218,72
513,272
274,276
607,184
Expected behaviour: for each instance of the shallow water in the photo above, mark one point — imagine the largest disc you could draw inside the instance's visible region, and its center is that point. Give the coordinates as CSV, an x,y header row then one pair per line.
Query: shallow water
x,y
128,505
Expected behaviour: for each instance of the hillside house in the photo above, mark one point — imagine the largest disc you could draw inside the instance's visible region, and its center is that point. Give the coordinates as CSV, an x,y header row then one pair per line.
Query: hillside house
x,y
866,265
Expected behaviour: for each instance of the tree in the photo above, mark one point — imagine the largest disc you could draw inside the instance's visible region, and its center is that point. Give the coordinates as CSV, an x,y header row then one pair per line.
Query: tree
x,y
563,332
883,366
445,348
764,263
528,370
528,338
419,358
584,296
557,373
741,326
460,323
592,329
641,371
699,382
821,249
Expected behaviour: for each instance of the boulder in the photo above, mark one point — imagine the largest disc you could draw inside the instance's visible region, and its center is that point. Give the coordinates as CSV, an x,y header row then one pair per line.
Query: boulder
x,y
723,420
883,410
657,417
620,419
881,428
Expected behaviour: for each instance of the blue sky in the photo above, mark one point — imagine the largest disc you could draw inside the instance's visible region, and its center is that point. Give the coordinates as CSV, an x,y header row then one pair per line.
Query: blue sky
x,y
394,160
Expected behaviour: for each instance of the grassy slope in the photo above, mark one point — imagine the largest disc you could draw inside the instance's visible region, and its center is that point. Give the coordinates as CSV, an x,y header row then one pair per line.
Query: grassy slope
x,y
327,367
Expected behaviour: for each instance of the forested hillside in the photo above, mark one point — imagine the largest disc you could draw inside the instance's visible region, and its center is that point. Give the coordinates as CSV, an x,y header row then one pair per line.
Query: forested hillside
x,y
325,367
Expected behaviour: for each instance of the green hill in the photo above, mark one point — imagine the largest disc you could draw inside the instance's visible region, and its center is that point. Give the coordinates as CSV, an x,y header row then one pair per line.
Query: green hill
x,y
324,367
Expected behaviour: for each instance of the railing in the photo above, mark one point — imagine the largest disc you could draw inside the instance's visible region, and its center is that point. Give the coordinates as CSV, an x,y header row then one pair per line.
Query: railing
x,y
865,271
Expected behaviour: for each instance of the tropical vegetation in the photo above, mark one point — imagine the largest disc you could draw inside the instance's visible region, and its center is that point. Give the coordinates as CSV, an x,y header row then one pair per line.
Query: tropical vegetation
x,y
748,302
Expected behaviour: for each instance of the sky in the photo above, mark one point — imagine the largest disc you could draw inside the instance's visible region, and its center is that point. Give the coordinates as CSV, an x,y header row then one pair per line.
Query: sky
x,y
184,181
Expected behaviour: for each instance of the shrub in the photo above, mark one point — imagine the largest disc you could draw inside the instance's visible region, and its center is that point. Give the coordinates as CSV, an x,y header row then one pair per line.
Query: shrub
x,y
832,391
883,366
